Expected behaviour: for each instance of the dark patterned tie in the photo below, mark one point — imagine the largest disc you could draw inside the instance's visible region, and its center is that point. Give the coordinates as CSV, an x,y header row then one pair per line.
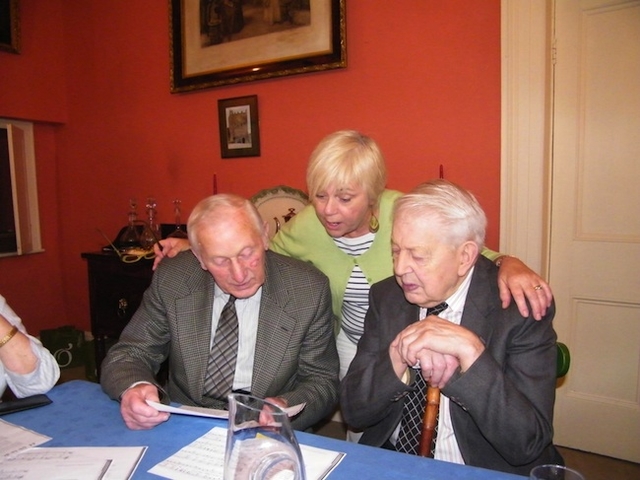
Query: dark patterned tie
x,y
222,360
414,407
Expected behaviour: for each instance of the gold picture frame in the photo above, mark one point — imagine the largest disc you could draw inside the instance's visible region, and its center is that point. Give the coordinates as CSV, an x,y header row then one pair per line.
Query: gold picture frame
x,y
10,26
222,42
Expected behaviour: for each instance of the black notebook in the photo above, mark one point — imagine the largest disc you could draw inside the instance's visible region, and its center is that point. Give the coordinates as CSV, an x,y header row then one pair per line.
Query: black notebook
x,y
12,406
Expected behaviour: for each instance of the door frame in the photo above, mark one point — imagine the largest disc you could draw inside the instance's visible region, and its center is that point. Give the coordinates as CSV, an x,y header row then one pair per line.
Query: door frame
x,y
526,88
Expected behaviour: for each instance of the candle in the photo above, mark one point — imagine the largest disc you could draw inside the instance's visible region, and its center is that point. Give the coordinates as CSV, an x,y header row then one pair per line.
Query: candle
x,y
215,184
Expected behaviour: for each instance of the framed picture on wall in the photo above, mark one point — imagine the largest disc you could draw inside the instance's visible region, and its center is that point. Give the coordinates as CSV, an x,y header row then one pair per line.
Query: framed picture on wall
x,y
216,42
9,26
239,127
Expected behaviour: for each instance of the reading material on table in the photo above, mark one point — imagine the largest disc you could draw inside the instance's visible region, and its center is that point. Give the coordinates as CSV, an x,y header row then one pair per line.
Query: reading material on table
x,y
73,463
15,439
203,459
20,458
211,412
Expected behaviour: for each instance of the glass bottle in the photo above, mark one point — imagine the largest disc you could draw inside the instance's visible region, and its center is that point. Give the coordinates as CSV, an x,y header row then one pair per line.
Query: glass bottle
x,y
129,237
150,232
178,232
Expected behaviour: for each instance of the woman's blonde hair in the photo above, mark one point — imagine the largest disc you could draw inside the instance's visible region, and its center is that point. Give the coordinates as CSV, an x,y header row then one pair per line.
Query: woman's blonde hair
x,y
347,158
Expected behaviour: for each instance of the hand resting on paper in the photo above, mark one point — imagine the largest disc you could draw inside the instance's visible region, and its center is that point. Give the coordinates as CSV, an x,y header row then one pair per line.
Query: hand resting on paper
x,y
135,411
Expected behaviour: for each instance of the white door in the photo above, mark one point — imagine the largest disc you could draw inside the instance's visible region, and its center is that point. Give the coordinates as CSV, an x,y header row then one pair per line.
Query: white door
x,y
595,223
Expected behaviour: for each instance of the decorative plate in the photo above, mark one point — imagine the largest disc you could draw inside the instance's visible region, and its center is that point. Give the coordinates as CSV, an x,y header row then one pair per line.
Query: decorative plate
x,y
278,204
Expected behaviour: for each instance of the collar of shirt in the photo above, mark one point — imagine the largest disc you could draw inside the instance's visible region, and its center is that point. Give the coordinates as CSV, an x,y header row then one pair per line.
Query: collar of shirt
x,y
455,302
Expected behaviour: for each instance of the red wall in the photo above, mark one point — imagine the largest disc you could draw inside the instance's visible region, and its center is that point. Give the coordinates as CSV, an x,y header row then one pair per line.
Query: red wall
x,y
423,79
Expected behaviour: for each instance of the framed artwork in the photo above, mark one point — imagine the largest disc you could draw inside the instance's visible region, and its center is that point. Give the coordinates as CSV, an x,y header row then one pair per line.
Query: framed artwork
x,y
239,127
9,26
221,42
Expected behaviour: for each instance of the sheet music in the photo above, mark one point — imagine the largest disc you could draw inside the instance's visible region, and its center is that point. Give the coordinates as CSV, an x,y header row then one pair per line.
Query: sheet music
x,y
20,458
35,464
203,459
73,463
14,439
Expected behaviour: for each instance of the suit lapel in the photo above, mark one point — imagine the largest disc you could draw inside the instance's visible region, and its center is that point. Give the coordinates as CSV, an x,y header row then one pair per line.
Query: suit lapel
x,y
193,322
480,302
275,328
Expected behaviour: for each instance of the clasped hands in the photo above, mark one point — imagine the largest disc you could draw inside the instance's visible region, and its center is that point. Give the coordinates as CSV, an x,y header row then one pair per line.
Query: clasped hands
x,y
438,346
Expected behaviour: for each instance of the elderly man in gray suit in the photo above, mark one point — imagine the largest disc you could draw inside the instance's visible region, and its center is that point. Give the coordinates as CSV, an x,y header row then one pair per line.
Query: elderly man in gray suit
x,y
496,368
283,347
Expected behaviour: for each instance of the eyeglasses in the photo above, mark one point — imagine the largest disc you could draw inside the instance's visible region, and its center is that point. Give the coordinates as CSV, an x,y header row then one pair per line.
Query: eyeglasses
x,y
129,257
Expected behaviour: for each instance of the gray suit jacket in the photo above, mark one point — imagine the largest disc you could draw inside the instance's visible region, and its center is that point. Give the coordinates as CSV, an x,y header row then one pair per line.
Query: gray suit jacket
x,y
295,354
501,408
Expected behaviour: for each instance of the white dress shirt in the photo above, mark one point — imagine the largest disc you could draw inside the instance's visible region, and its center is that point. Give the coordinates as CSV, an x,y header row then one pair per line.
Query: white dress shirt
x,y
248,311
446,444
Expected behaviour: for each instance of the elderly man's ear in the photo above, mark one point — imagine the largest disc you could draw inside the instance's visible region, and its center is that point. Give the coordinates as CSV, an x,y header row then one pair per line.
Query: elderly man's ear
x,y
265,235
467,255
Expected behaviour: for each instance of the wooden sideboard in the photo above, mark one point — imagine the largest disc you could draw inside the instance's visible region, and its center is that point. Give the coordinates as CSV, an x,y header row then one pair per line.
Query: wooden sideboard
x,y
115,293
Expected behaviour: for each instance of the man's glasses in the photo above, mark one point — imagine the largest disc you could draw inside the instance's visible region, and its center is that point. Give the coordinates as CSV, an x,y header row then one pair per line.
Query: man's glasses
x,y
128,256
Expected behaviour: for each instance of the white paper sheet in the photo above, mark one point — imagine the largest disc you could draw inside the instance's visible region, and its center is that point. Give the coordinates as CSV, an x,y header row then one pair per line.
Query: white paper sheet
x,y
15,439
203,459
73,463
211,412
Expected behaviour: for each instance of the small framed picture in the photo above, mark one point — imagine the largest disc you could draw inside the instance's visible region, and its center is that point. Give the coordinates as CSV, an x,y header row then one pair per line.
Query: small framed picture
x,y
239,127
9,26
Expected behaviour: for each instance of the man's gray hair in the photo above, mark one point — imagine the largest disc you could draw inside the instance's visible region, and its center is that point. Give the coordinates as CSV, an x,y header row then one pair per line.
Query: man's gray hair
x,y
455,209
212,208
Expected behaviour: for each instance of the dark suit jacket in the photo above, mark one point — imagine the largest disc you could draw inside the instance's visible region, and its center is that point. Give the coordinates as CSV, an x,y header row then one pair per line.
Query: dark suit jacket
x,y
501,408
295,354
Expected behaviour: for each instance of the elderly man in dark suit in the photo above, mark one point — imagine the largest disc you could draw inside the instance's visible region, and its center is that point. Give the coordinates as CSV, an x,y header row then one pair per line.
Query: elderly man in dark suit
x,y
283,350
497,369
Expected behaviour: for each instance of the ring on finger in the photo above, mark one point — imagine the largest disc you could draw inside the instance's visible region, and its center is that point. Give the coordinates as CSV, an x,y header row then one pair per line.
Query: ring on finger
x,y
538,287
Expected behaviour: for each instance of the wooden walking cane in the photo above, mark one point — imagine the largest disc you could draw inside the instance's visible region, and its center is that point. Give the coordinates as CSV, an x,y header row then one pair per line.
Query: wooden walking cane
x,y
429,421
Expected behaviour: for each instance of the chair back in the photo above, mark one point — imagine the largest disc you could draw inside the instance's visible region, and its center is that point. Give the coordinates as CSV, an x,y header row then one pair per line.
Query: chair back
x,y
563,361
277,205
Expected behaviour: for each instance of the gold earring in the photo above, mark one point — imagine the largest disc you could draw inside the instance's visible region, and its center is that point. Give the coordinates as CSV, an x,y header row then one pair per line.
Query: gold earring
x,y
374,224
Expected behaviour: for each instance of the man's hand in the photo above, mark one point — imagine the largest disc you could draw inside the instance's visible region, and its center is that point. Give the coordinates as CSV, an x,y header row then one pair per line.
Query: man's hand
x,y
266,417
517,280
438,346
135,411
169,247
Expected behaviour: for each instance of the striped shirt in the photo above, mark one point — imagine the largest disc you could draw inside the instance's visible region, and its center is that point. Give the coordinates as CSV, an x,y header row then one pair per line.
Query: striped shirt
x,y
356,295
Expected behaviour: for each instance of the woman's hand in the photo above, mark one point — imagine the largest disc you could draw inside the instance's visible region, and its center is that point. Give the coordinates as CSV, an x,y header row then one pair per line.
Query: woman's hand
x,y
517,280
169,247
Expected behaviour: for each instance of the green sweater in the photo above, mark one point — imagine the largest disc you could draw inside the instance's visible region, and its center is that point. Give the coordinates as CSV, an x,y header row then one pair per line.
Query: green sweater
x,y
305,238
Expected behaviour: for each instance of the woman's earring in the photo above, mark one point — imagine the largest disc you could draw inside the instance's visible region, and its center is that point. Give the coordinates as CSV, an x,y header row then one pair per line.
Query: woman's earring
x,y
374,225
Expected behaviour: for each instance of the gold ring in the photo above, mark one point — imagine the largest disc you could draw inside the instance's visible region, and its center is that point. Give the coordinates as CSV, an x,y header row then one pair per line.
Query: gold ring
x,y
538,287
